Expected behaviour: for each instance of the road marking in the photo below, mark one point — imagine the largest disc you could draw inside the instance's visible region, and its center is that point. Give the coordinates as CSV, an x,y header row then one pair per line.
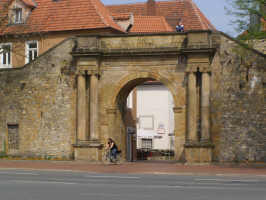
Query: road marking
x,y
222,188
19,173
43,182
124,196
262,176
221,184
229,180
117,177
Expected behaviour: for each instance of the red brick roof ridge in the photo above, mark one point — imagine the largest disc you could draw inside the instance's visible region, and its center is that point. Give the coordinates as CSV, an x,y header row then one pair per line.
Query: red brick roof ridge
x,y
166,25
99,13
202,25
200,16
104,20
141,3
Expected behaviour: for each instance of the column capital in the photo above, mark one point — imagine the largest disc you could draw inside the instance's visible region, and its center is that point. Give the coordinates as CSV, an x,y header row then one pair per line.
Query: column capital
x,y
194,67
178,109
93,72
81,72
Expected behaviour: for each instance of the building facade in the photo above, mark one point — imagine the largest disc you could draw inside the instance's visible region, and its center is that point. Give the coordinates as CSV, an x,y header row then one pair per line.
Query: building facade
x,y
67,102
29,28
154,116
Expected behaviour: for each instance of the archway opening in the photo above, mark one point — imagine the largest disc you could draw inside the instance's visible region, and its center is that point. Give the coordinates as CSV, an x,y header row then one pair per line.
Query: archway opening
x,y
146,120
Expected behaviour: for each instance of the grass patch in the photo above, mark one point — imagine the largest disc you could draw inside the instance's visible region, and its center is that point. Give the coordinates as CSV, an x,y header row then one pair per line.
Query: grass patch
x,y
3,155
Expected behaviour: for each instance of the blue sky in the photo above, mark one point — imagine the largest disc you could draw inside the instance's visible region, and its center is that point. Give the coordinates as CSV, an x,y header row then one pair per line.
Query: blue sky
x,y
212,9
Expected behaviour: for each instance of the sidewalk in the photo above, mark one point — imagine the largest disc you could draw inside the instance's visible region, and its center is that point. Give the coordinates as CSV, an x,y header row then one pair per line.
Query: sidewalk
x,y
137,167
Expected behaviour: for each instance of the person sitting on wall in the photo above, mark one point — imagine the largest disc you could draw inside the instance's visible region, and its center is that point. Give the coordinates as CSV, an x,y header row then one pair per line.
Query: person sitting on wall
x,y
180,26
112,148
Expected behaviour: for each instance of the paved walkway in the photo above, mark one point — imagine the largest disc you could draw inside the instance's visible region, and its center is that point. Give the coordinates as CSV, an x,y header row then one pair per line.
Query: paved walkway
x,y
137,167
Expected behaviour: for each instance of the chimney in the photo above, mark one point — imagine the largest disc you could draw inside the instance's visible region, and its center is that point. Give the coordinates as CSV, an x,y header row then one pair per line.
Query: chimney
x,y
151,8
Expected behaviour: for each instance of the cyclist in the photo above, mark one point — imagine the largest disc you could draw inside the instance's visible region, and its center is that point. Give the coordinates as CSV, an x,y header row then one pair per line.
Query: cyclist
x,y
112,148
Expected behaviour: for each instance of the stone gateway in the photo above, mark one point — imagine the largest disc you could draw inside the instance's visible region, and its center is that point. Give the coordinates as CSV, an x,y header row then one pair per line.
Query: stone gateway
x,y
67,102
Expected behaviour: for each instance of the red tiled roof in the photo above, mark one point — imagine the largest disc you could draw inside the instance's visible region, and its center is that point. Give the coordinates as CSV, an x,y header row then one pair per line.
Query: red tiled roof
x,y
136,9
64,15
150,24
192,17
121,16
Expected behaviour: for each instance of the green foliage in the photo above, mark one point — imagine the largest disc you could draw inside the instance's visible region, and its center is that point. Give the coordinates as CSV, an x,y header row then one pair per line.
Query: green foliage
x,y
3,153
248,17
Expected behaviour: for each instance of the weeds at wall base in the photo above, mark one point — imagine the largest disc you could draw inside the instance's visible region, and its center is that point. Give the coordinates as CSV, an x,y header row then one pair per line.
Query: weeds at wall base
x,y
4,156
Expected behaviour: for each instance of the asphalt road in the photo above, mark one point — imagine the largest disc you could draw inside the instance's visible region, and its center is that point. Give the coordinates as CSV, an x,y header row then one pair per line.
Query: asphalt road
x,y
58,185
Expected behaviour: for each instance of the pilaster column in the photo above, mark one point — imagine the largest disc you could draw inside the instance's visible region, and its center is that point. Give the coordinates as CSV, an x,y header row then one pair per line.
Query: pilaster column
x,y
180,131
192,108
94,106
205,107
111,112
81,110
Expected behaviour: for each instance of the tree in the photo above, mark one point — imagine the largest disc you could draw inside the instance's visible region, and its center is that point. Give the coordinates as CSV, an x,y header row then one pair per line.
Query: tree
x,y
250,18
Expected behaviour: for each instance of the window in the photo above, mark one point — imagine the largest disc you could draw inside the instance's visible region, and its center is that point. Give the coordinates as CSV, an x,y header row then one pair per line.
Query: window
x,y
146,143
146,122
31,51
13,137
16,17
5,56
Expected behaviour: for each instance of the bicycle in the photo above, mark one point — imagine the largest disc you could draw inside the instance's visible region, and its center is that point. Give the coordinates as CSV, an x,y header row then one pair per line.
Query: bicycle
x,y
110,158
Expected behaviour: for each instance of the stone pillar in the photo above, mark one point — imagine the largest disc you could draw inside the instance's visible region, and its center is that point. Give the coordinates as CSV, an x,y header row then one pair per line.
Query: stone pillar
x,y
180,131
112,122
81,107
205,107
192,108
94,107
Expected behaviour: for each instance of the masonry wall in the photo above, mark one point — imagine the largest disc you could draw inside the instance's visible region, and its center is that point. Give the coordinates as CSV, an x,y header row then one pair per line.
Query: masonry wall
x,y
260,45
40,99
238,113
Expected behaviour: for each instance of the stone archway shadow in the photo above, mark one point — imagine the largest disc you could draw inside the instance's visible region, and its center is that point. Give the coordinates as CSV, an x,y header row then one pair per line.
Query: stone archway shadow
x,y
142,76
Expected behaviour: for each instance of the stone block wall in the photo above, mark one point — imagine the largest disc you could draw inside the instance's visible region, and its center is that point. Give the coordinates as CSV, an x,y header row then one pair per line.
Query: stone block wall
x,y
238,112
1,144
40,99
260,45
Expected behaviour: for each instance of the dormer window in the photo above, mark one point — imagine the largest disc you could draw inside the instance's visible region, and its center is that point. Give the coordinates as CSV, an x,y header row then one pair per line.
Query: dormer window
x,y
17,15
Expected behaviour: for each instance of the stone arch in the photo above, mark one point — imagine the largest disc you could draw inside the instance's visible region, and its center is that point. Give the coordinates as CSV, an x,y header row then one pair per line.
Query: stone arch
x,y
147,76
121,91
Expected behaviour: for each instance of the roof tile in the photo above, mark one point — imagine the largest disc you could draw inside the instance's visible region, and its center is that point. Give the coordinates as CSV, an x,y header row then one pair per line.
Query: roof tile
x,y
192,17
64,15
150,24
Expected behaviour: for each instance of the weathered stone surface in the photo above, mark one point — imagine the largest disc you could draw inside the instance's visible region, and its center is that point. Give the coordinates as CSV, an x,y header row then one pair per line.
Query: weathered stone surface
x,y
238,104
260,45
42,96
